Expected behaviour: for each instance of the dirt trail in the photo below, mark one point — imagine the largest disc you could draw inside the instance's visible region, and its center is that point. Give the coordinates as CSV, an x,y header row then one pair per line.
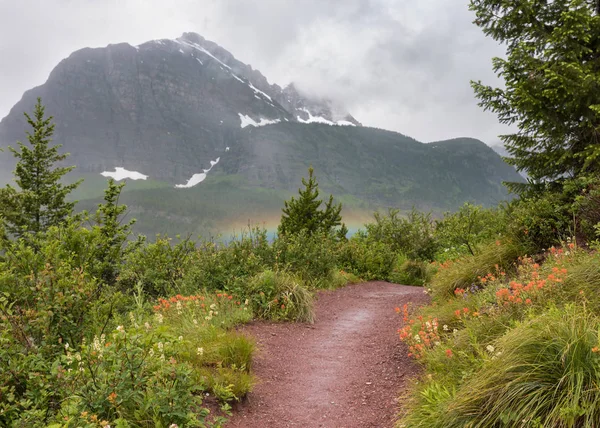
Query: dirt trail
x,y
346,370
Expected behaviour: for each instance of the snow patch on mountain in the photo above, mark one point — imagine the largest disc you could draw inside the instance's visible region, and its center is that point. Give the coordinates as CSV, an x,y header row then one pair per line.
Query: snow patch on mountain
x,y
248,121
319,119
198,178
121,173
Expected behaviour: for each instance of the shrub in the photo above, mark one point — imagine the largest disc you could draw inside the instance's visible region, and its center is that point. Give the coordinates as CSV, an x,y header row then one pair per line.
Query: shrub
x,y
311,257
131,376
412,272
412,235
227,267
540,222
280,296
467,228
367,258
158,266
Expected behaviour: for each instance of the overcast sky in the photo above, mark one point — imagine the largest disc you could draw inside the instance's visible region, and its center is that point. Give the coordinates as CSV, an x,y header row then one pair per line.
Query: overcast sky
x,y
403,65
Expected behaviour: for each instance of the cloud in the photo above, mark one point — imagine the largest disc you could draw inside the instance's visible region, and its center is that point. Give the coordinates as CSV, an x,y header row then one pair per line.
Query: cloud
x,y
394,64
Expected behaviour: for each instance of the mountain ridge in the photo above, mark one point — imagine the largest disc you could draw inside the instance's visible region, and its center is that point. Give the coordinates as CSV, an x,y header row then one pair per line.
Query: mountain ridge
x,y
185,112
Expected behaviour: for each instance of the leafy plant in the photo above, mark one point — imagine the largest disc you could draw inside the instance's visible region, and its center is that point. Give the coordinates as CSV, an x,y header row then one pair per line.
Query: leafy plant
x,y
280,295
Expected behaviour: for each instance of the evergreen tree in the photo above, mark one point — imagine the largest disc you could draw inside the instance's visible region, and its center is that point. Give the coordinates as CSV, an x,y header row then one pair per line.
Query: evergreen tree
x,y
305,212
552,85
40,200
113,233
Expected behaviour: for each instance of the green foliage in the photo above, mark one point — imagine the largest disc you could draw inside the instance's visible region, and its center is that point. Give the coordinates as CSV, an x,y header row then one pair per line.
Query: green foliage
x,y
133,376
305,215
412,235
367,258
546,375
158,267
220,266
113,234
542,221
468,227
552,82
463,273
311,257
412,272
281,296
40,201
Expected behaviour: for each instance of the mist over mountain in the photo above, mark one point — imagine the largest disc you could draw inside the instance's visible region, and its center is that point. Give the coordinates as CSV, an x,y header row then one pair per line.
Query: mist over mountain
x,y
190,117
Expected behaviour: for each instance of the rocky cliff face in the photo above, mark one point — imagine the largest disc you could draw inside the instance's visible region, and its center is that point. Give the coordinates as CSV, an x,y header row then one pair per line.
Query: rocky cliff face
x,y
220,145
163,107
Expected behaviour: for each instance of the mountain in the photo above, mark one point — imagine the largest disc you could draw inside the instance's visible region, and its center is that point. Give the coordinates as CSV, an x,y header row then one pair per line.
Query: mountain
x,y
221,146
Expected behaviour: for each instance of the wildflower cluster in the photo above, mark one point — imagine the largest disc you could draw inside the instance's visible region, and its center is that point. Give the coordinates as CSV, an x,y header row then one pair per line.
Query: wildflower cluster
x,y
215,309
426,337
532,281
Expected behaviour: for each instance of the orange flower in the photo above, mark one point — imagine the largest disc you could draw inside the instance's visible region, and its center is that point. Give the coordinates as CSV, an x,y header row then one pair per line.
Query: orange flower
x,y
112,397
528,301
449,353
595,350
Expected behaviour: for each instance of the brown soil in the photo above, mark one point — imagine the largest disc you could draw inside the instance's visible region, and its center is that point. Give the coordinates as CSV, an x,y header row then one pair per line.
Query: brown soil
x,y
346,370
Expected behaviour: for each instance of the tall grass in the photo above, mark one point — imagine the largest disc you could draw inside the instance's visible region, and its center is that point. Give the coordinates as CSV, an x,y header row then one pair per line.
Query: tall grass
x,y
281,295
463,273
547,375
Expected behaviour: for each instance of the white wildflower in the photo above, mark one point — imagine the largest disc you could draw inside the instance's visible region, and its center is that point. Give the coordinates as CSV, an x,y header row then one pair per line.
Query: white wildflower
x,y
246,302
417,338
490,349
180,338
200,351
147,325
159,318
179,308
120,328
213,306
195,321
445,327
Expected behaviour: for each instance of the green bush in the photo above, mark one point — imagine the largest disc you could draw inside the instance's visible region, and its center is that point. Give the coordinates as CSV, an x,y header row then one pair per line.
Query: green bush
x,y
367,258
158,267
462,232
227,267
131,376
281,296
311,257
412,235
540,222
412,272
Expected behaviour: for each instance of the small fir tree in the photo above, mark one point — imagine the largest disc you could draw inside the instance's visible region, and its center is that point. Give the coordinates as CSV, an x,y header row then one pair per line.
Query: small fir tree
x,y
305,214
113,231
40,201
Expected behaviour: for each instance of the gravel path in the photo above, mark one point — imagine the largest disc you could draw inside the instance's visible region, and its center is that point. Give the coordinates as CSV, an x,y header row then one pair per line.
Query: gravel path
x,y
346,370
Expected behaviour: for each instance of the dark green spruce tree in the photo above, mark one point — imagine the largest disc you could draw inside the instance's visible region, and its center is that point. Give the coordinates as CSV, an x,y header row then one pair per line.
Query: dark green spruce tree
x,y
551,76
305,213
114,233
40,199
